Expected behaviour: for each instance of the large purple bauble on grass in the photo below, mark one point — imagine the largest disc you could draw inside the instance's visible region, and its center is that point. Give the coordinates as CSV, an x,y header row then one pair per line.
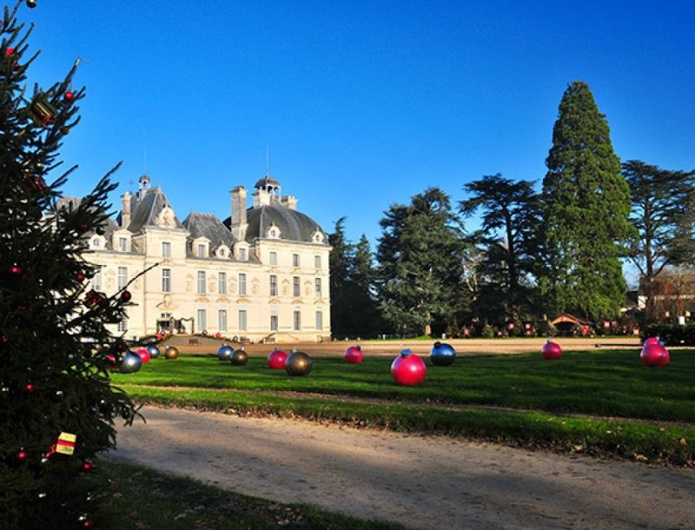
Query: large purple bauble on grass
x,y
551,350
655,354
354,355
442,354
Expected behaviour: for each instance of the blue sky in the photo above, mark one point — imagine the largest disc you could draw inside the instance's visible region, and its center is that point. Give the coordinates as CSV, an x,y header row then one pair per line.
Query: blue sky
x,y
354,105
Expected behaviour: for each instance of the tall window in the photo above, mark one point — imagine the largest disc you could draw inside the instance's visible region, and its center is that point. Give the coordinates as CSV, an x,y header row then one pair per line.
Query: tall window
x,y
273,258
297,320
96,280
122,244
122,326
317,287
317,262
295,260
166,280
296,287
122,277
273,285
242,320
166,249
273,322
242,284
319,320
242,254
202,320
201,282
222,282
201,251
222,320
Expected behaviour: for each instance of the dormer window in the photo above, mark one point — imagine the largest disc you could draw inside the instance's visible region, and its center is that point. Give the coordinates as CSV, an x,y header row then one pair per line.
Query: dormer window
x,y
318,237
201,250
274,232
222,252
123,244
242,254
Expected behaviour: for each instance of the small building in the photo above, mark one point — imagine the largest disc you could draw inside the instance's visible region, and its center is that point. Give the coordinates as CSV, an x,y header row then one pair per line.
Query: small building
x,y
262,274
567,324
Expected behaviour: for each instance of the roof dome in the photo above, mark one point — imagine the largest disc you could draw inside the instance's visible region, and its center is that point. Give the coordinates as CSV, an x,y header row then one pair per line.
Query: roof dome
x,y
280,222
267,183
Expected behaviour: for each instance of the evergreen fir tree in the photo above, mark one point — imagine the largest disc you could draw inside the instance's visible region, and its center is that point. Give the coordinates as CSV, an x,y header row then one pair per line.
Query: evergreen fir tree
x,y
56,403
586,203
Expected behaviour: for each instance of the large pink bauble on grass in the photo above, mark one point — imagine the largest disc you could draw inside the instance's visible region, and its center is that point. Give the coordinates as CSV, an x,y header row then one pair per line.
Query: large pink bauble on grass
x,y
144,355
651,340
551,350
277,359
655,355
354,355
408,369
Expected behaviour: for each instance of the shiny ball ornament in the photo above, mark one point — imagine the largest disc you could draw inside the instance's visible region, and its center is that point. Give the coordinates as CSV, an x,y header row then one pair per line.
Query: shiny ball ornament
x,y
442,354
655,354
69,95
225,353
354,355
154,351
144,355
408,369
277,359
551,350
172,352
651,340
298,363
131,363
239,357
31,4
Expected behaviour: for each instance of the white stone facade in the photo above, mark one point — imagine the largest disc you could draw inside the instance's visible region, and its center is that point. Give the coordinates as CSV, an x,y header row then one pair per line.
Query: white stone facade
x,y
262,275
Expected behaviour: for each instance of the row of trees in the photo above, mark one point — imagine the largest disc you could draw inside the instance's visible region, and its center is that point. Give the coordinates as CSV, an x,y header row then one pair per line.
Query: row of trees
x,y
536,254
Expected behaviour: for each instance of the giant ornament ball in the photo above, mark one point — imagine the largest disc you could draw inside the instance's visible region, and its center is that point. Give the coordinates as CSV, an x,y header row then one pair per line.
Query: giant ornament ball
x,y
277,359
131,363
154,351
239,357
172,352
298,363
144,355
354,355
225,353
408,369
655,354
551,350
442,354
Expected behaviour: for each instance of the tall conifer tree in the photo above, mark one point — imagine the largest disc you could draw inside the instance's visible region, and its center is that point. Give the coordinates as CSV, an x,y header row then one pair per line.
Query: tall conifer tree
x,y
57,405
586,203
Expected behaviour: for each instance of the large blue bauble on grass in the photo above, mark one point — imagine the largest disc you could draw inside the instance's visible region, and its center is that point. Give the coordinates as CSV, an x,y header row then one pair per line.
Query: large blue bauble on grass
x,y
225,353
442,354
154,351
131,363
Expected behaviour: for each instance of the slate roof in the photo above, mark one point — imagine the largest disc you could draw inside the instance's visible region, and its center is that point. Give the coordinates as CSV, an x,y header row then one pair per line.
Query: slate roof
x,y
209,226
145,206
293,225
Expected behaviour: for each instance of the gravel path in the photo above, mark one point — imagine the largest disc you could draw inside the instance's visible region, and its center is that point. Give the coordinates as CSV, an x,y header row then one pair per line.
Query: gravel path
x,y
421,482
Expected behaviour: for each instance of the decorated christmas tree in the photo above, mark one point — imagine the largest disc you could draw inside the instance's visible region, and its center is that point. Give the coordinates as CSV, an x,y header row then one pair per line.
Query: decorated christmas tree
x,y
57,406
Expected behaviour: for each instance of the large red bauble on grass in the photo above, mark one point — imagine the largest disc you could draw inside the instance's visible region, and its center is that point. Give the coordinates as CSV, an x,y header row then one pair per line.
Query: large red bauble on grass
x,y
144,355
655,355
277,359
551,350
354,355
408,369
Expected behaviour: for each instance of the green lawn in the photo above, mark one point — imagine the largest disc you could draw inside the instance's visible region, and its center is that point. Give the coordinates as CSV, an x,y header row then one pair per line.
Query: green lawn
x,y
603,402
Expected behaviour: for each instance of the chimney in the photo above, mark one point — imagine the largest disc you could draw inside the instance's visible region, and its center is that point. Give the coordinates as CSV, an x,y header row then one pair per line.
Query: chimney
x,y
290,201
125,209
238,217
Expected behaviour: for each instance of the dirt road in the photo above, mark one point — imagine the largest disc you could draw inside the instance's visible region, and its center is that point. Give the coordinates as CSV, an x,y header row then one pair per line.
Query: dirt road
x,y
421,482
